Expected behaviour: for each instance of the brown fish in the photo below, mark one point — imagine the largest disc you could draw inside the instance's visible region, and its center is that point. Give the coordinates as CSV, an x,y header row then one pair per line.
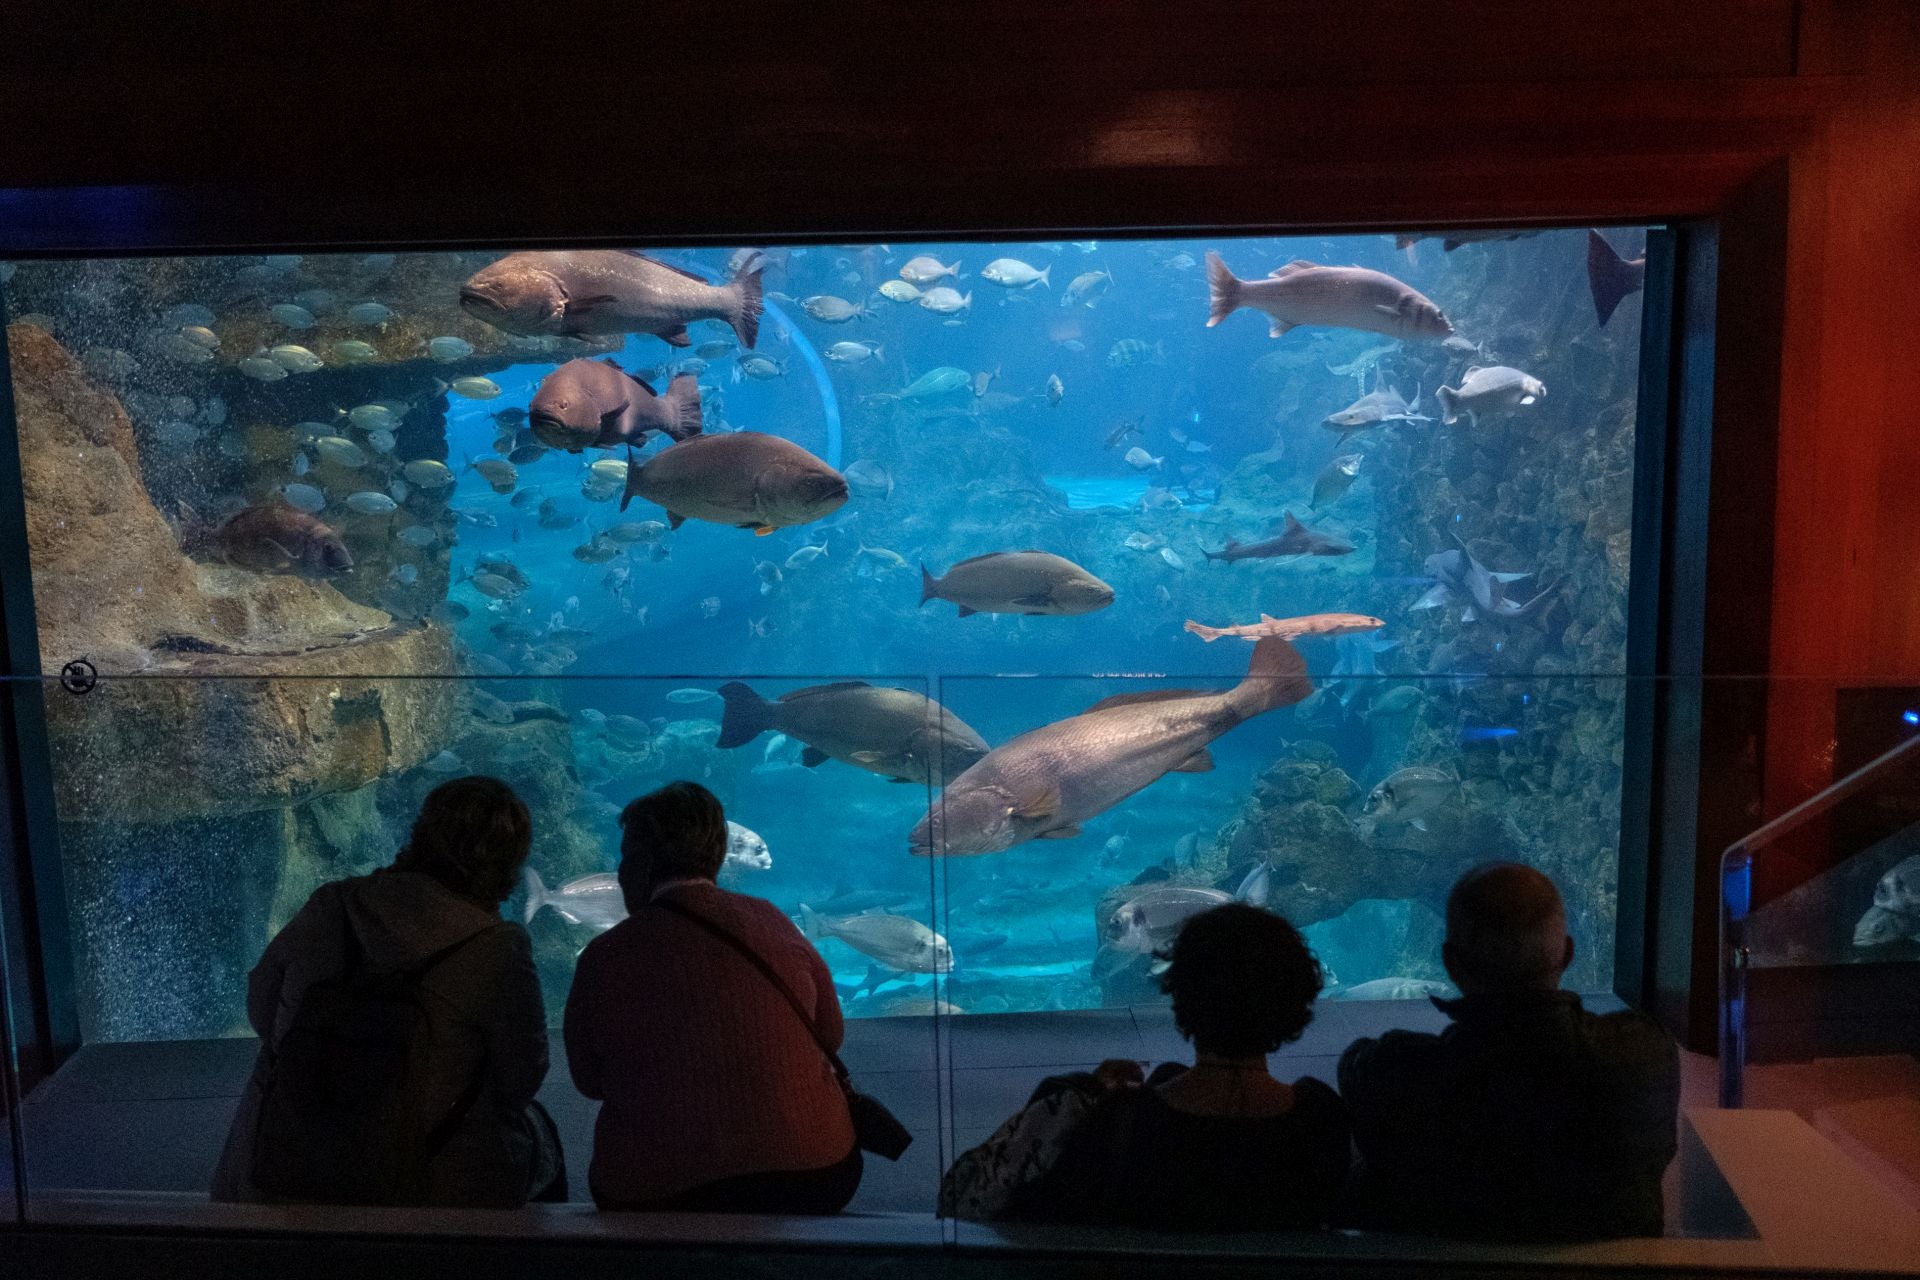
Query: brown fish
x,y
594,403
1030,582
1312,624
1610,276
275,539
747,479
1295,540
1306,293
607,291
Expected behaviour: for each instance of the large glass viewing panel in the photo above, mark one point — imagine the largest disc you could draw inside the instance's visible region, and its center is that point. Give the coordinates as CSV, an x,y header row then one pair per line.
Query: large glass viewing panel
x,y
332,527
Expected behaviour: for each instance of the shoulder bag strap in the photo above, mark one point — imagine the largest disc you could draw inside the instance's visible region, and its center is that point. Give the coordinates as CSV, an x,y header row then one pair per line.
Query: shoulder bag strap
x,y
766,971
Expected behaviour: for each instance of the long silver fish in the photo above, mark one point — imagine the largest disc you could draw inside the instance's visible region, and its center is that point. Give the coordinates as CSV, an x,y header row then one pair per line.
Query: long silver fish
x,y
1043,784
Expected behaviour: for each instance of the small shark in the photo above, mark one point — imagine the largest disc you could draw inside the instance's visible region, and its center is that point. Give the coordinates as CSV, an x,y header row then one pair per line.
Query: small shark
x,y
1459,577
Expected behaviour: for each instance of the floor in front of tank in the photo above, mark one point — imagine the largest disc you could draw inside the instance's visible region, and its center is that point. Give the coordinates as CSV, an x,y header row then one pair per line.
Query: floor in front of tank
x,y
150,1118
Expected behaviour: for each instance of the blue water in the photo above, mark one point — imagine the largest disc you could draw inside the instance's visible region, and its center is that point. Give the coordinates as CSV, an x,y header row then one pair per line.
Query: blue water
x,y
1031,450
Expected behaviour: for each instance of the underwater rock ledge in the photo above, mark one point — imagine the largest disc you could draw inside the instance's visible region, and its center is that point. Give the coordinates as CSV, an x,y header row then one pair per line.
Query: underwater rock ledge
x,y
160,738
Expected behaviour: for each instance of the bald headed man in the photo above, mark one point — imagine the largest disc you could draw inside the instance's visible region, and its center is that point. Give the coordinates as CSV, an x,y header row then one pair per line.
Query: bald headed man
x,y
1528,1118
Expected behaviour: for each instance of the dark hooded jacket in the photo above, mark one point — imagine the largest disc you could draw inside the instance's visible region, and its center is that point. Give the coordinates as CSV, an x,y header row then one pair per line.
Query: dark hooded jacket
x,y
1529,1118
484,1011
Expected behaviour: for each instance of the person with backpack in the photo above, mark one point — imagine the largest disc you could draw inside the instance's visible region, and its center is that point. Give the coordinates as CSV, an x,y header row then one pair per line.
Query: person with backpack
x,y
402,1032
709,1028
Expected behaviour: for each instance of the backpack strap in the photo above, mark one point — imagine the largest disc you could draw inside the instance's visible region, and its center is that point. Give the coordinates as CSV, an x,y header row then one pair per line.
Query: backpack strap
x,y
766,971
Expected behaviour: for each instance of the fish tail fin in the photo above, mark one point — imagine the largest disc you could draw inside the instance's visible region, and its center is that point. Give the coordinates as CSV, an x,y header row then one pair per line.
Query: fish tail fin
x,y
1608,275
929,586
879,353
683,406
809,921
1046,277
1223,290
746,717
745,317
966,302
632,488
1449,401
536,895
1276,677
192,531
1206,633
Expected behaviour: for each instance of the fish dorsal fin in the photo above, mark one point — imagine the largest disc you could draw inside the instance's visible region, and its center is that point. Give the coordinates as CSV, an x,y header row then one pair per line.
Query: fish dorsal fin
x,y
825,688
679,271
643,384
609,362
1298,264
1267,617
995,555
1135,699
1470,371
1293,524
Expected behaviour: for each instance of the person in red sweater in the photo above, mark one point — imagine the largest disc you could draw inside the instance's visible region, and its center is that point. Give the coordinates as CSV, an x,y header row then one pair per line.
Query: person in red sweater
x,y
716,1096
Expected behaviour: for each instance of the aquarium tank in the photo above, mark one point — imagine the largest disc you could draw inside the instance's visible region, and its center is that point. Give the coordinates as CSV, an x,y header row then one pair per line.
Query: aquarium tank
x,y
1018,599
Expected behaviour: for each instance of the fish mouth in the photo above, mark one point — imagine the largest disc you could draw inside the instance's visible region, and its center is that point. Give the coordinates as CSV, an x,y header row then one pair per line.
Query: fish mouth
x,y
470,298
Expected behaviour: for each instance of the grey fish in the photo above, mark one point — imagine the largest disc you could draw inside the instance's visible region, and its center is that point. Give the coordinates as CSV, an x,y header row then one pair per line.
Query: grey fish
x,y
1485,389
1880,926
593,900
1899,889
594,403
1296,540
607,291
746,849
1451,240
895,733
848,901
1410,794
1043,784
870,479
1151,919
1611,277
1030,582
1335,479
746,479
1374,408
1395,989
1459,577
895,941
1306,293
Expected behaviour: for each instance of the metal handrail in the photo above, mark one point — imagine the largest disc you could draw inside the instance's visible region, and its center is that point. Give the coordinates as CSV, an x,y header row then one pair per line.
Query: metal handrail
x,y
1736,902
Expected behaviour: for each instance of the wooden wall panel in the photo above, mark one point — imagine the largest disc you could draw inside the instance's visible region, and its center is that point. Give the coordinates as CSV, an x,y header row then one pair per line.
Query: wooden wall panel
x,y
1846,584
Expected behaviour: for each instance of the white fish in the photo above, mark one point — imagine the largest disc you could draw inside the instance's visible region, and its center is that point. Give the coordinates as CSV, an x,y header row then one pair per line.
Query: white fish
x,y
829,309
594,900
369,313
373,417
370,502
476,388
899,291
1173,559
354,351
1011,273
895,941
1140,460
945,301
925,269
340,451
746,851
1055,388
805,555
418,535
448,349
293,317
428,473
295,359
854,352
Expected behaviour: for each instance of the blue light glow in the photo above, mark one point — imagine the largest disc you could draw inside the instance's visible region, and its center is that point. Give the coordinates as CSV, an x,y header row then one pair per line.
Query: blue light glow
x,y
1911,717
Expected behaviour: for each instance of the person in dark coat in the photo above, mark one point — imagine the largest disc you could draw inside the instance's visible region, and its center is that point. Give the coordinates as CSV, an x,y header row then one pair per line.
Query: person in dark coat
x,y
1529,1118
485,1021
1218,1146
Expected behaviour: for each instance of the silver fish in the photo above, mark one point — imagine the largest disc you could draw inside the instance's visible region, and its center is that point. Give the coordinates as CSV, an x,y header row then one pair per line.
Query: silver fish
x,y
1046,782
1410,795
895,941
594,900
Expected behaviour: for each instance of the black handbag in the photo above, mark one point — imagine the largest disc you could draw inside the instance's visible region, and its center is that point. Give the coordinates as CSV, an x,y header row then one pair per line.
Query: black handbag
x,y
875,1128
